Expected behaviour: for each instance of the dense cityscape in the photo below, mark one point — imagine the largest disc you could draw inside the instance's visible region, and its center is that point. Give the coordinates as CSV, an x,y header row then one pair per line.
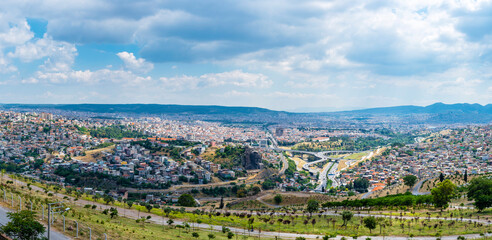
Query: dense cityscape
x,y
245,120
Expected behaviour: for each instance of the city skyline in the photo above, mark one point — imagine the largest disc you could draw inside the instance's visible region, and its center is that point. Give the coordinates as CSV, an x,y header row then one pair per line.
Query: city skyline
x,y
281,55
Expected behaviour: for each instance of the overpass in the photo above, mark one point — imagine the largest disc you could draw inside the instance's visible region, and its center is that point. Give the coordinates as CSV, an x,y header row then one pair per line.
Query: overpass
x,y
320,154
328,172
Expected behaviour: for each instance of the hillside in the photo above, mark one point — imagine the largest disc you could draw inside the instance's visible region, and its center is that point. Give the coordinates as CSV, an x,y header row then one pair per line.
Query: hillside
x,y
145,108
438,113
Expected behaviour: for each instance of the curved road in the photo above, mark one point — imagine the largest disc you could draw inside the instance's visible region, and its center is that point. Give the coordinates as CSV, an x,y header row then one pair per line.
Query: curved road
x,y
418,185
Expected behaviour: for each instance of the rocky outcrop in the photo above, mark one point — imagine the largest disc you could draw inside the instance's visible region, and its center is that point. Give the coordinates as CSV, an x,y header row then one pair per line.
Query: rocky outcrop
x,y
251,159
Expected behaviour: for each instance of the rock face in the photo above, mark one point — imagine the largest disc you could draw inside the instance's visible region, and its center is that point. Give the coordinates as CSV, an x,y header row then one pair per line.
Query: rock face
x,y
251,159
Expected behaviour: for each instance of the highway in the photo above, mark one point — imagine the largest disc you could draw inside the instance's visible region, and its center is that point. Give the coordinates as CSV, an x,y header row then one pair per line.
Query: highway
x,y
324,175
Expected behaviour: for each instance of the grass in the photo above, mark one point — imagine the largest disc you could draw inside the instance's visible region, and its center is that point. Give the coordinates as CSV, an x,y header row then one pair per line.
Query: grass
x,y
116,228
249,204
125,228
324,225
94,155
356,156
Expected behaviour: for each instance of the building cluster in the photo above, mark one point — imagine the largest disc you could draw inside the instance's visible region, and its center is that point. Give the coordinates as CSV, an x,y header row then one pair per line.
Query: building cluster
x,y
202,131
448,152
294,134
54,141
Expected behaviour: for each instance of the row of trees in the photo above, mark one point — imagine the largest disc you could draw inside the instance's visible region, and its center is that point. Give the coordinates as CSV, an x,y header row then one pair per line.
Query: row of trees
x,y
406,199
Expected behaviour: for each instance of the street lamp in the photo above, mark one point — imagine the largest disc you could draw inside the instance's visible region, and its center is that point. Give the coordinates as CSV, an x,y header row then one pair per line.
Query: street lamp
x,y
50,211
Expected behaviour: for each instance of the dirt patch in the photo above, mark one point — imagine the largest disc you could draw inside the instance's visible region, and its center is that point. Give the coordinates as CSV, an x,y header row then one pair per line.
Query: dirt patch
x,y
94,155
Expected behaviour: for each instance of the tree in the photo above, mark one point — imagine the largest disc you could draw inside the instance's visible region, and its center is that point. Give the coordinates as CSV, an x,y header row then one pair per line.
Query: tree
x,y
148,207
346,216
167,210
465,178
381,221
108,199
195,235
361,184
170,222
2,172
480,190
23,226
277,199
370,222
230,235
441,177
221,205
443,193
410,180
113,212
312,206
211,236
186,200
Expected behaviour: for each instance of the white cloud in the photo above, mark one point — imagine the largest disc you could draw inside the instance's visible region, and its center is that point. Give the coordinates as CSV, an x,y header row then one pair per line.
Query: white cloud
x,y
134,64
125,78
235,78
13,31
60,56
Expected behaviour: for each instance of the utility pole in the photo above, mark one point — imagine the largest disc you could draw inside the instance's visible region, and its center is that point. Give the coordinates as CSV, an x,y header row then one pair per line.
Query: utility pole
x,y
50,217
49,221
77,234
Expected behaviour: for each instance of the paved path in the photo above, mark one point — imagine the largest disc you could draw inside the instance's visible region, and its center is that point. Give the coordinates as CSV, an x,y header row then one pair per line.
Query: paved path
x,y
54,235
418,185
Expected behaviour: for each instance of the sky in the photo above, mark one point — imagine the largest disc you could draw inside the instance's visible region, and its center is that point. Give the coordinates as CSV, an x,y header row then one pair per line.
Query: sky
x,y
282,55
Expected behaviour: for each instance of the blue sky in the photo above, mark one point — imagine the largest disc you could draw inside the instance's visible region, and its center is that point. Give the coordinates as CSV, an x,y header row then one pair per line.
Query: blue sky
x,y
283,55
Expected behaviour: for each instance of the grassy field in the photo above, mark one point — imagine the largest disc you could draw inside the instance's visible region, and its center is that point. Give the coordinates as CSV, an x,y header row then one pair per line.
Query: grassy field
x,y
94,155
299,199
124,228
356,156
333,225
456,179
116,228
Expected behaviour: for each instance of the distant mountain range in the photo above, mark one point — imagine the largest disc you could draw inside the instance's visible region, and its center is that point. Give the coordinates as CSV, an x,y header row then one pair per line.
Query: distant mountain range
x,y
145,108
435,113
436,108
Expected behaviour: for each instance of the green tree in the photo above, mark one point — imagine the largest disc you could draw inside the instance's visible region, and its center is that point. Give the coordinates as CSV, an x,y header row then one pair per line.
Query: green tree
x,y
443,193
195,235
346,216
211,236
148,207
277,199
465,178
23,226
221,205
361,184
113,212
312,206
167,211
108,199
186,200
370,222
410,180
441,177
480,190
230,235
170,222
382,222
